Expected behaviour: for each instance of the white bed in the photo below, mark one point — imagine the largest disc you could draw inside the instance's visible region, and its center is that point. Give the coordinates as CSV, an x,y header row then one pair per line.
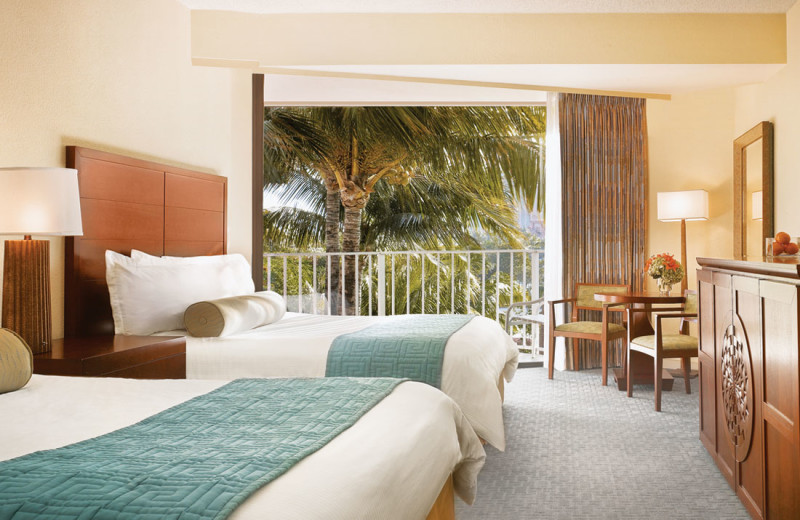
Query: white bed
x,y
475,359
390,465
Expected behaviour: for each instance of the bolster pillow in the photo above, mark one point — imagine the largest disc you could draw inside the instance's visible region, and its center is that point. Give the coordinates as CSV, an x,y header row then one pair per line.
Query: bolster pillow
x,y
16,362
227,316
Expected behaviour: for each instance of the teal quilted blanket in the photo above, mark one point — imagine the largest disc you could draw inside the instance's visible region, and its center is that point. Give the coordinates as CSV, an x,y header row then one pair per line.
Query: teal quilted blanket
x,y
410,347
197,460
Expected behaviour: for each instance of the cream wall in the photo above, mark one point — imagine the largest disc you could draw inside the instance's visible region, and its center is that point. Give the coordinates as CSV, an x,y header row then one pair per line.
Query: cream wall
x,y
691,147
778,100
117,76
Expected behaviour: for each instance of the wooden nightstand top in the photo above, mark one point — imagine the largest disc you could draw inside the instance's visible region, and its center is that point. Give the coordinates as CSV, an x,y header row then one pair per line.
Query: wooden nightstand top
x,y
144,357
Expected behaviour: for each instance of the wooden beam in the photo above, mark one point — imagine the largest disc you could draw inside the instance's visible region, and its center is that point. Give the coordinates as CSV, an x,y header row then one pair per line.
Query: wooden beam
x,y
257,258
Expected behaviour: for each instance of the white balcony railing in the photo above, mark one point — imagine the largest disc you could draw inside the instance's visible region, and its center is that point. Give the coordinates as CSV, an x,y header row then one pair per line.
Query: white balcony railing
x,y
406,282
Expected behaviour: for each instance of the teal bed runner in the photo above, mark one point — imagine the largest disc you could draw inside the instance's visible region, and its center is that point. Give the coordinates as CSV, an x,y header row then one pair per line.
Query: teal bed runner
x,y
411,347
197,460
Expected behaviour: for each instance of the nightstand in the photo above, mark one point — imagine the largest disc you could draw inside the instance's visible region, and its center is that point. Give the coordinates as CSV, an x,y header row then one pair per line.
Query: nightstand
x,y
137,357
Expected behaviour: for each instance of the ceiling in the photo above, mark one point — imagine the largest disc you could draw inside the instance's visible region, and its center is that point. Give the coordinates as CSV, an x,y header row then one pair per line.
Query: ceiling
x,y
493,6
479,83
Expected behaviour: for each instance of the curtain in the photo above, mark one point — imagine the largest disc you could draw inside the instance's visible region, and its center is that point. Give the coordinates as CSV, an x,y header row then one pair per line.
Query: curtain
x,y
603,199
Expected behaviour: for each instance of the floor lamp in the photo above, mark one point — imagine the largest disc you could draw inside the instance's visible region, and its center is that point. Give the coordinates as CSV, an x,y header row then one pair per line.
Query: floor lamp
x,y
680,206
42,202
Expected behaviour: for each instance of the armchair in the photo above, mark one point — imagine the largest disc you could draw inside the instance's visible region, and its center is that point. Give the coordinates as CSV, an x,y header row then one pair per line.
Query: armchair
x,y
662,346
603,331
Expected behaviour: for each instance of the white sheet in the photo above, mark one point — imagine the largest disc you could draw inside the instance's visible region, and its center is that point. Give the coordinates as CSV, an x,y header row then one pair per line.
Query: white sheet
x,y
389,465
297,346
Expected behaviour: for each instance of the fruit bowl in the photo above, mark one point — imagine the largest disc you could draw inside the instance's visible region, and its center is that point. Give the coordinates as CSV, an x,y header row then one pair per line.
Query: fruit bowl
x,y
783,245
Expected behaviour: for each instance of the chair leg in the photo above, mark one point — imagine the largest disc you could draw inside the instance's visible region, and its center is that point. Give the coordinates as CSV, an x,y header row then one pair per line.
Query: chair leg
x,y
658,365
541,337
628,375
604,353
686,365
551,351
625,356
576,364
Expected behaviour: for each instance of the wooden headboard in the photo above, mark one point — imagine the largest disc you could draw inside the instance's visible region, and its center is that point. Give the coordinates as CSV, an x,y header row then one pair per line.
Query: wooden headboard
x,y
129,204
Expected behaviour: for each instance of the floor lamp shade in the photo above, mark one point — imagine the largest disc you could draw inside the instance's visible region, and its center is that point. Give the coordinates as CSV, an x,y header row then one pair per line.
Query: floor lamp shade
x,y
680,206
42,202
674,206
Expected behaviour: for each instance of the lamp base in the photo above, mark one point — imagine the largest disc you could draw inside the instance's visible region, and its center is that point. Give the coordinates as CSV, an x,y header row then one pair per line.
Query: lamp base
x,y
26,292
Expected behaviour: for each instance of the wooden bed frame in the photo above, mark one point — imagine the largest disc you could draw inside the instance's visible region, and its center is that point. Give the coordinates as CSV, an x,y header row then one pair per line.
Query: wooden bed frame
x,y
126,204
129,203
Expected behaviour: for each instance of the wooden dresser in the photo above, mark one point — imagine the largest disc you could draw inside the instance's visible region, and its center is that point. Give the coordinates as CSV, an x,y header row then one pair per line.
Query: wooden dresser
x,y
749,364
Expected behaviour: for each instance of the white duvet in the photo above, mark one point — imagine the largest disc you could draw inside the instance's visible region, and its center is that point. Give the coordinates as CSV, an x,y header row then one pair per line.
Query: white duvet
x,y
390,465
475,357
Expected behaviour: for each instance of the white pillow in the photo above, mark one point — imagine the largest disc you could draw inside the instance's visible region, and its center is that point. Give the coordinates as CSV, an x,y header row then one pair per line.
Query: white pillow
x,y
149,298
239,264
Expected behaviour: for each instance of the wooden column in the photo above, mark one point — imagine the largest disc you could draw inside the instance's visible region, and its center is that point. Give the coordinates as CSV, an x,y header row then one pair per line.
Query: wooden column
x,y
26,292
257,259
685,280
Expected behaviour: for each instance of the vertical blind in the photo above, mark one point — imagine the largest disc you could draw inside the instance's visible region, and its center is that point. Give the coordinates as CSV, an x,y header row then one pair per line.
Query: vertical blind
x,y
604,199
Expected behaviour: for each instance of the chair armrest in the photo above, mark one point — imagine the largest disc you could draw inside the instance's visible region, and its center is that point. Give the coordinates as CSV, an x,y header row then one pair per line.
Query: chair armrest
x,y
565,300
552,304
538,303
606,306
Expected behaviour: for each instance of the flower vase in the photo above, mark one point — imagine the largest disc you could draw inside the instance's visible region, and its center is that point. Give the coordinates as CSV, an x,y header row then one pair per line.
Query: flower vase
x,y
664,287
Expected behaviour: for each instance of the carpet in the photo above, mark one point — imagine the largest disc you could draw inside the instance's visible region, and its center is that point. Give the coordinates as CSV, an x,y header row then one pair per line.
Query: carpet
x,y
578,450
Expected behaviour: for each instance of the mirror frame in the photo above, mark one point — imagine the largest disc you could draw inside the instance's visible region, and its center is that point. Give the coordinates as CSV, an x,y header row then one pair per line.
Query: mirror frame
x,y
762,130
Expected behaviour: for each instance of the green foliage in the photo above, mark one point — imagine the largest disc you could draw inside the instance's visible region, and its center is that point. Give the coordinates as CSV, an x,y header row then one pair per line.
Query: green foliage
x,y
449,171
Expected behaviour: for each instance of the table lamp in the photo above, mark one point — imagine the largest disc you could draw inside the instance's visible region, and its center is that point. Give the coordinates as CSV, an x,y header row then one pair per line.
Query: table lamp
x,y
674,206
34,201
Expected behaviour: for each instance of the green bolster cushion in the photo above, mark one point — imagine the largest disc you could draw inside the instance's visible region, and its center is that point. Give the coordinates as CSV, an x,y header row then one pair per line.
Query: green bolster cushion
x,y
16,362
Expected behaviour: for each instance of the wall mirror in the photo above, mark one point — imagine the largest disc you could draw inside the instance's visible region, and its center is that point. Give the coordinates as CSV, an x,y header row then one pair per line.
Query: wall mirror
x,y
752,192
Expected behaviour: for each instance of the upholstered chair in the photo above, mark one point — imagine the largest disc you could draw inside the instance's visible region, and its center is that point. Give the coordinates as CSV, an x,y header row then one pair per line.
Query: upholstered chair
x,y
573,330
662,346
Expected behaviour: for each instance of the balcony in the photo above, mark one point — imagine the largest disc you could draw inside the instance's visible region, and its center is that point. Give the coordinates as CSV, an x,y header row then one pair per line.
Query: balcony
x,y
483,282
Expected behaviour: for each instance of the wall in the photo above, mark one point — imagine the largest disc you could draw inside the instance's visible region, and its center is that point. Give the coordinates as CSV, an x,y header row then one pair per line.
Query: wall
x,y
117,76
777,100
691,147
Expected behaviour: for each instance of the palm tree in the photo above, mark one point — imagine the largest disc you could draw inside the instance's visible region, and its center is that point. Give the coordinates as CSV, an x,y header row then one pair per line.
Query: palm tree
x,y
479,154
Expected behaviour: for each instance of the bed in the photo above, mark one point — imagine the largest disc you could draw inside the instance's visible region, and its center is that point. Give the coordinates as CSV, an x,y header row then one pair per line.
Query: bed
x,y
476,358
129,204
401,459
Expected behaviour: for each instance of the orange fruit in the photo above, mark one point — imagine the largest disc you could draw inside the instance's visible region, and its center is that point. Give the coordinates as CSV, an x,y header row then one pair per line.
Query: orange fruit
x,y
783,238
791,248
777,248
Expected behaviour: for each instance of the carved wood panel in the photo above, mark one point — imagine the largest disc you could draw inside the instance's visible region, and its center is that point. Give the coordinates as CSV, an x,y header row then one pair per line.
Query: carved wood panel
x,y
737,391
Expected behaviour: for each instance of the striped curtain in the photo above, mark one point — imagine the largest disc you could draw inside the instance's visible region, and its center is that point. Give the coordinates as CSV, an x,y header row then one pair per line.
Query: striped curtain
x,y
604,199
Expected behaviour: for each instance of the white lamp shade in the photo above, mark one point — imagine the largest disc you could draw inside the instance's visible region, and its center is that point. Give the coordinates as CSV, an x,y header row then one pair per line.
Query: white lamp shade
x,y
758,205
682,205
39,201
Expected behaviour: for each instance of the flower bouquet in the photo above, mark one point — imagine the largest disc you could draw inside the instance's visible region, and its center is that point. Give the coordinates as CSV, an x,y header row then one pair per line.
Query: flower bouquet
x,y
664,269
